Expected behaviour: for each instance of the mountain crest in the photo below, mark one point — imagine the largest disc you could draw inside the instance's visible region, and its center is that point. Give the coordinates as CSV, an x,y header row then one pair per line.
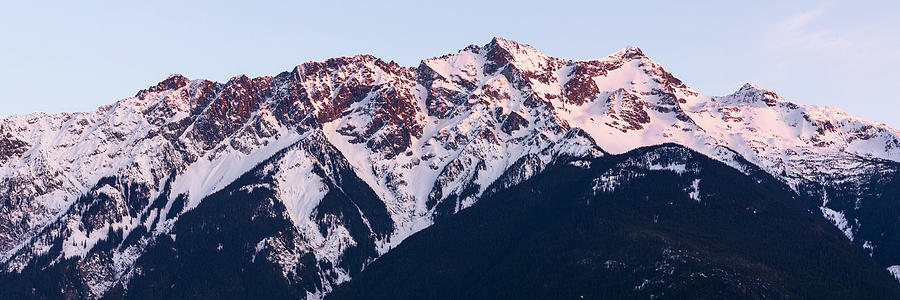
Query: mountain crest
x,y
422,143
751,93
173,82
523,57
629,52
511,46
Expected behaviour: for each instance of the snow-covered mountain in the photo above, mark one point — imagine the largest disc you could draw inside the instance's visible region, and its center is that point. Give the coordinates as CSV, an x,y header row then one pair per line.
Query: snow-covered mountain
x,y
357,154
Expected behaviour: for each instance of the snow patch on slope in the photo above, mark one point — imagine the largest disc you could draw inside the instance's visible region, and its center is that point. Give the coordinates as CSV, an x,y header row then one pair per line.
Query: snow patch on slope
x,y
215,170
895,270
836,217
694,191
298,187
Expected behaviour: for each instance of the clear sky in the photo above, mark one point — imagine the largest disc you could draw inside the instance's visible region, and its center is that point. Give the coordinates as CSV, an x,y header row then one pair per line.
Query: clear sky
x,y
64,56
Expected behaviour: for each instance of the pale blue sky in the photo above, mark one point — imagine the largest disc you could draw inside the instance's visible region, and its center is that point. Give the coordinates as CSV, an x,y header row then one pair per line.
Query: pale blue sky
x,y
62,56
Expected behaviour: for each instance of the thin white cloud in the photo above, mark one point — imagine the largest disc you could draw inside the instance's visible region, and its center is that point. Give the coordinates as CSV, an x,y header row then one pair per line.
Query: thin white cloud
x,y
799,32
836,49
801,19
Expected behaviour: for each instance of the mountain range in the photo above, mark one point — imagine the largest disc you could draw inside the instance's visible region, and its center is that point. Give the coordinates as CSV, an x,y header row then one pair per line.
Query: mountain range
x,y
443,180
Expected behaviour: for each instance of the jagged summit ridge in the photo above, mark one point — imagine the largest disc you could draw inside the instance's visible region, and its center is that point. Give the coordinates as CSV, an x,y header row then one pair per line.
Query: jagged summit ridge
x,y
629,52
751,93
427,141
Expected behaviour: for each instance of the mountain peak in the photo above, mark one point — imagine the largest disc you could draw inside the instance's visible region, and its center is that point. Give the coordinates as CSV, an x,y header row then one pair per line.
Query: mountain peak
x,y
505,44
752,93
514,49
629,52
501,51
750,86
173,82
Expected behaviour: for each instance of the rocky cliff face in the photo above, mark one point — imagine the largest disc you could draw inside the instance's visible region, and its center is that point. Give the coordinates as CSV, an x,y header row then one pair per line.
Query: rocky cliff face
x,y
355,154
